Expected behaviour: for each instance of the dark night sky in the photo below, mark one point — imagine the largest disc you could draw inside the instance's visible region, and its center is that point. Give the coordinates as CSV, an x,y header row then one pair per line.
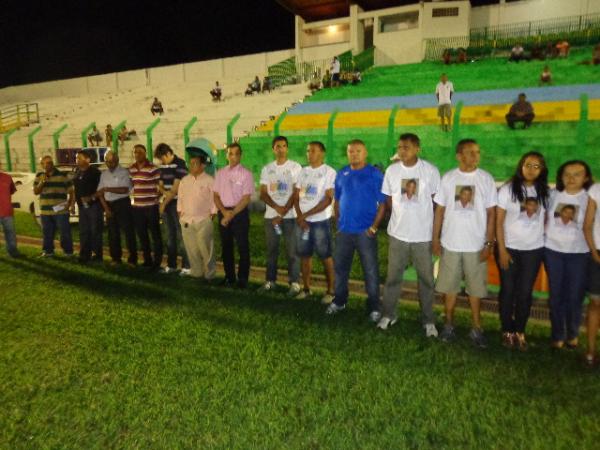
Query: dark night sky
x,y
63,39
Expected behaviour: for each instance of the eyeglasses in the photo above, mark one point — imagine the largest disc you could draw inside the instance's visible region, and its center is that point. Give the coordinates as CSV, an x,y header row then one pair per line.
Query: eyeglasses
x,y
532,166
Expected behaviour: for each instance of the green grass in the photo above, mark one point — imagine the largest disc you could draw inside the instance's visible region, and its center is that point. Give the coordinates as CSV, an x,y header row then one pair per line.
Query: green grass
x,y
99,358
421,78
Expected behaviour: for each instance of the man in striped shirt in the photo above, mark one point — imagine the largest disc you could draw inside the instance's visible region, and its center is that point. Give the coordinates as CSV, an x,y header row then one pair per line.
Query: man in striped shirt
x,y
56,199
145,177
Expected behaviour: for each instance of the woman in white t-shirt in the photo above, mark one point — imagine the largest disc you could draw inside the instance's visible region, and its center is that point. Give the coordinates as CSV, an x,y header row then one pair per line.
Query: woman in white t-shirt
x,y
566,253
522,202
591,230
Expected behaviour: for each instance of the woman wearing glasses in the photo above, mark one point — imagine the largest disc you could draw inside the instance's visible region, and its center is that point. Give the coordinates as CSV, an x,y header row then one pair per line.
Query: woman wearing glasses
x,y
520,237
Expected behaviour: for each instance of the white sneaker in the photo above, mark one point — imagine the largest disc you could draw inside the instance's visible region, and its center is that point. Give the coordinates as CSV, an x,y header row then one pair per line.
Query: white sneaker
x,y
334,309
431,330
267,287
167,269
294,290
374,316
385,322
327,299
303,294
185,272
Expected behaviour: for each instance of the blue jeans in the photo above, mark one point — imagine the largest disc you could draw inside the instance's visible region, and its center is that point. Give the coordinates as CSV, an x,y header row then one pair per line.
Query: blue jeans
x,y
10,236
366,246
319,240
91,220
49,225
567,276
174,237
288,228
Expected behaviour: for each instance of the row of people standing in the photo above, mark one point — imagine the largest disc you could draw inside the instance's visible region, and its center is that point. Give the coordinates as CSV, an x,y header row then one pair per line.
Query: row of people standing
x,y
461,217
458,217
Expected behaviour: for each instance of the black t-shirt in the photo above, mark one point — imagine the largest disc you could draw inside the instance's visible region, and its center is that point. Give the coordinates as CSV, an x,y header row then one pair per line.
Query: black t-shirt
x,y
86,183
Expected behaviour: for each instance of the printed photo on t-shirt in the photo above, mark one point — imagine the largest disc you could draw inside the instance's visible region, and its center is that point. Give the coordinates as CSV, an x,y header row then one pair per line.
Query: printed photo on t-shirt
x,y
309,191
410,190
565,214
279,187
530,209
464,197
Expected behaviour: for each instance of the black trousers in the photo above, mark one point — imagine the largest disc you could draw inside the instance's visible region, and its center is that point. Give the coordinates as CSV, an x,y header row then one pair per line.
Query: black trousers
x,y
237,230
121,220
511,119
516,286
90,231
147,221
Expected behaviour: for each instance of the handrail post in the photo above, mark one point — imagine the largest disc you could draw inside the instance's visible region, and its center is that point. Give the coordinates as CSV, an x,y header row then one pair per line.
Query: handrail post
x,y
330,125
32,148
56,135
115,136
230,126
391,128
277,126
85,132
456,124
186,137
7,136
149,132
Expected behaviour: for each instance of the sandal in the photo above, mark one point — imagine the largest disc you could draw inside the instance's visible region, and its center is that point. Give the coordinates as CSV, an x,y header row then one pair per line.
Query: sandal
x,y
521,342
508,340
557,345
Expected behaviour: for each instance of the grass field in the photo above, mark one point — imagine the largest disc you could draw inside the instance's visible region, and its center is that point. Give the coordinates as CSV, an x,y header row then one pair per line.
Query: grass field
x,y
99,358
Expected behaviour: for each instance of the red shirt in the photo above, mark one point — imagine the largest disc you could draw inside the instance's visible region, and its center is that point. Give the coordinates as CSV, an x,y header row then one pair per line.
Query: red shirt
x,y
7,188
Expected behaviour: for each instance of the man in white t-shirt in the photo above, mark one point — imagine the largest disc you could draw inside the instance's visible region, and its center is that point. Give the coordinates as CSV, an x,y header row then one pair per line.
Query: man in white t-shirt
x,y
443,93
335,71
467,235
313,198
277,180
409,186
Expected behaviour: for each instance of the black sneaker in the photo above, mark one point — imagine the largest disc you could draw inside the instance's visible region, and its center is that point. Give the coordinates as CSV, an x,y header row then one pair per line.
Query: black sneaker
x,y
476,335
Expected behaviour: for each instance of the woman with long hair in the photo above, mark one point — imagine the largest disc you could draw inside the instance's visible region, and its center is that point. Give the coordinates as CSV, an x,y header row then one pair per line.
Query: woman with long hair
x,y
522,202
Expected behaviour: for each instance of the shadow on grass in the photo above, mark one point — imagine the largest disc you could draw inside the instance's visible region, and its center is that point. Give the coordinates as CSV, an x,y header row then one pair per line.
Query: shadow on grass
x,y
348,331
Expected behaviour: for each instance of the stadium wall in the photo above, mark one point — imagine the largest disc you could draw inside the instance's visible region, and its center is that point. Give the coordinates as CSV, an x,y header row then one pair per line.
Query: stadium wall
x,y
529,11
238,66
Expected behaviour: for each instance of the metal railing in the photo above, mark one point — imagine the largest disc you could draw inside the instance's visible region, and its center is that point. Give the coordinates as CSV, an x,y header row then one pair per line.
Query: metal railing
x,y
18,116
487,41
290,71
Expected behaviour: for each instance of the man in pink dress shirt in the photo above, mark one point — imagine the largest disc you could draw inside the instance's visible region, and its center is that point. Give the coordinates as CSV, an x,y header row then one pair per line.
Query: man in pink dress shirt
x,y
233,188
196,208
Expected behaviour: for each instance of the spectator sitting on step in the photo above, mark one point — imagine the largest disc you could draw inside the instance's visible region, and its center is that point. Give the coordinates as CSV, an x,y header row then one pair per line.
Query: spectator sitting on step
x,y
315,83
517,53
447,56
327,79
563,48
267,84
126,135
157,107
546,76
462,56
216,92
537,52
95,138
255,85
521,111
596,55
356,77
108,132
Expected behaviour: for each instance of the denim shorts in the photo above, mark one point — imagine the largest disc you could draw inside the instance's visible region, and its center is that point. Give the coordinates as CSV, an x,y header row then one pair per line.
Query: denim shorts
x,y
319,240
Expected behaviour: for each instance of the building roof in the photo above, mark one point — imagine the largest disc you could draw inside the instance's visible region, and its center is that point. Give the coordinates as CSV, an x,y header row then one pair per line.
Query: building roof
x,y
312,10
